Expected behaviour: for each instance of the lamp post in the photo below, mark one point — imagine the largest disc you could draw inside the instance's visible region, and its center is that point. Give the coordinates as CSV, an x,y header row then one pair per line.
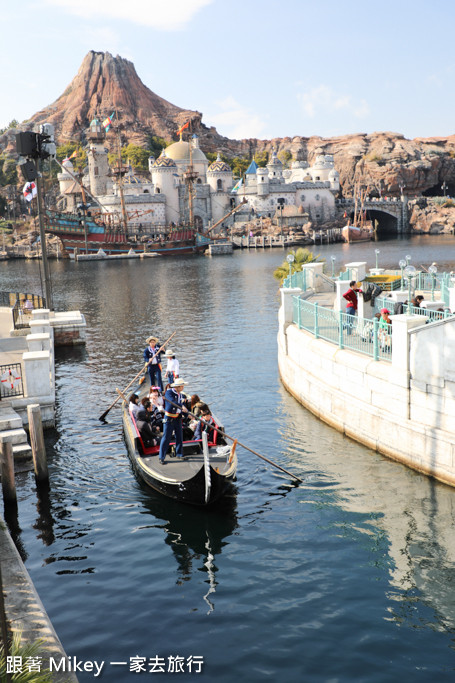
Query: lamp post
x,y
333,259
432,270
408,259
409,273
290,258
444,187
402,263
377,252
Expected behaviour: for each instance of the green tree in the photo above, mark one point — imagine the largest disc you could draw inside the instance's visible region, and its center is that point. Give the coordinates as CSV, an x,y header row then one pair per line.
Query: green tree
x,y
66,150
8,170
239,165
12,124
261,158
301,256
137,156
156,145
285,156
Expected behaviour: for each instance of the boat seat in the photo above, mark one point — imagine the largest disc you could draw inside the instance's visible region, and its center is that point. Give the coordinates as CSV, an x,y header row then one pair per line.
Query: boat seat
x,y
146,450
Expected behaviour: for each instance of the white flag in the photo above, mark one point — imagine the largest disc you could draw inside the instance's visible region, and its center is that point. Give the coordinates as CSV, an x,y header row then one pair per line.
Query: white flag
x,y
29,191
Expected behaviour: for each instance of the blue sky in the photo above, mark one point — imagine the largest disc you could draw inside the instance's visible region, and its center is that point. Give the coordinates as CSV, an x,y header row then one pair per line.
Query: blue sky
x,y
265,69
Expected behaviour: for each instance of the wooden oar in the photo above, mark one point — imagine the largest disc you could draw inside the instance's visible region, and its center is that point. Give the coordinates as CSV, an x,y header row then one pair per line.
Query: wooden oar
x,y
236,441
102,417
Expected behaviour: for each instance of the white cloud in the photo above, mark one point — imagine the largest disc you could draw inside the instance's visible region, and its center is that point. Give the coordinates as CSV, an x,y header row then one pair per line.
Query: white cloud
x,y
234,120
168,15
323,100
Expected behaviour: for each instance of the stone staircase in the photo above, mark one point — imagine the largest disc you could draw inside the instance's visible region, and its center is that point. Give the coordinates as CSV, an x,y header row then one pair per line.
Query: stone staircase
x,y
11,429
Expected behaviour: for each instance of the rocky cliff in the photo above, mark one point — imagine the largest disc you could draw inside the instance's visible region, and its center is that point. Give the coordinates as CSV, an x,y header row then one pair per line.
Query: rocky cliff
x,y
382,161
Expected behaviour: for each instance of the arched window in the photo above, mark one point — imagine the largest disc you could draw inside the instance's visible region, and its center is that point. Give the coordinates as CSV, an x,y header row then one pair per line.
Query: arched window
x,y
302,197
146,192
219,184
158,191
317,197
318,177
199,181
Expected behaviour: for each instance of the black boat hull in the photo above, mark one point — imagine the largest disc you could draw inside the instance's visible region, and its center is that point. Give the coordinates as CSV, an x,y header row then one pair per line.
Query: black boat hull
x,y
197,489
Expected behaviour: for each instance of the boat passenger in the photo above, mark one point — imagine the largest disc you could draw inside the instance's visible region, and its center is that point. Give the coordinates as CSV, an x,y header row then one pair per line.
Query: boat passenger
x,y
133,405
156,399
152,356
196,404
146,424
174,408
207,425
173,366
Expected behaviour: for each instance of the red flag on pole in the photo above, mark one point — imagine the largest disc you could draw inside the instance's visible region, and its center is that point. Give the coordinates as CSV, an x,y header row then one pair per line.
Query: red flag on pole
x,y
182,128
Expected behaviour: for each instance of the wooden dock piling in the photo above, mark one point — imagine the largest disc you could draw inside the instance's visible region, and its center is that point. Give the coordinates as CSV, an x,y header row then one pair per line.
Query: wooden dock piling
x,y
35,426
7,469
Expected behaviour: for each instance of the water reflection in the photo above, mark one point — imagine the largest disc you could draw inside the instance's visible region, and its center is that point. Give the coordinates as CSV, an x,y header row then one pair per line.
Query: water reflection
x,y
408,519
196,536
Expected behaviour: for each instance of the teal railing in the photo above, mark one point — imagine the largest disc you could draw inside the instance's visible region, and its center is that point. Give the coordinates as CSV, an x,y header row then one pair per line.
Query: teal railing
x,y
346,275
348,332
431,316
297,279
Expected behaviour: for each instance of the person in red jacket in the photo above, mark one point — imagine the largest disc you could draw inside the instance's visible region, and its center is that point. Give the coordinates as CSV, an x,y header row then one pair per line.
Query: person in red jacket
x,y
351,298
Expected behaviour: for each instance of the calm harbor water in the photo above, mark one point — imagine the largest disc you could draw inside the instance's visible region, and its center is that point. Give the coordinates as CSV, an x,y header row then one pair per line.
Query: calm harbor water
x,y
348,577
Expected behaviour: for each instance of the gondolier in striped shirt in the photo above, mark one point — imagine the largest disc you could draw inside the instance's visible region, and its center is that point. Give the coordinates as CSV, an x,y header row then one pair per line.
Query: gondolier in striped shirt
x,y
154,361
172,424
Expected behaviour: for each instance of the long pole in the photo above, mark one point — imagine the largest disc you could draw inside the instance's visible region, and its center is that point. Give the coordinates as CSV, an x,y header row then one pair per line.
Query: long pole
x,y
47,279
241,444
102,417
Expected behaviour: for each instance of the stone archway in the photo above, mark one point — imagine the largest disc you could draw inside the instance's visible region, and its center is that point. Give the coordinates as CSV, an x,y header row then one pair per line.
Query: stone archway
x,y
387,224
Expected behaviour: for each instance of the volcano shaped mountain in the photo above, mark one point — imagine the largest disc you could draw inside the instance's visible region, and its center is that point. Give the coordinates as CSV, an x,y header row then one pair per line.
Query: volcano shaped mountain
x,y
105,84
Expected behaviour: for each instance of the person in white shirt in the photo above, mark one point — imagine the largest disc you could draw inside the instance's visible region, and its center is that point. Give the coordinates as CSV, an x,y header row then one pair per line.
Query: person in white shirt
x,y
173,366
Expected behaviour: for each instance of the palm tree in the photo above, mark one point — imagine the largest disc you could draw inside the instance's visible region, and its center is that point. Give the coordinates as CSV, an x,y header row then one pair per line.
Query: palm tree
x,y
301,257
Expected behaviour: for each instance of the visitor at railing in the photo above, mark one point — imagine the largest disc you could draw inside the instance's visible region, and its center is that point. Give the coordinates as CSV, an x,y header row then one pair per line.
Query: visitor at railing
x,y
351,298
385,336
417,300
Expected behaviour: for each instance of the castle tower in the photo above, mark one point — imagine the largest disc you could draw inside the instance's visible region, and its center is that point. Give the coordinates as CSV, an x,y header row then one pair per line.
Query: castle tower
x,y
98,165
263,185
166,182
219,177
68,186
275,167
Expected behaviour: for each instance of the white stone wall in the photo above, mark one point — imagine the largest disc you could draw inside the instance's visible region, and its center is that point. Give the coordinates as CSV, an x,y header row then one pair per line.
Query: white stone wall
x,y
407,416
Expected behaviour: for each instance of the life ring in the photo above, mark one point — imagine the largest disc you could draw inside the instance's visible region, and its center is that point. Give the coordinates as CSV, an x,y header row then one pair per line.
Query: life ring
x,y
10,378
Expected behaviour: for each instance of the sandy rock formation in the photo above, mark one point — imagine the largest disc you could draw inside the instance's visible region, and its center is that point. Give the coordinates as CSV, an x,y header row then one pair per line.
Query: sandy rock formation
x,y
433,219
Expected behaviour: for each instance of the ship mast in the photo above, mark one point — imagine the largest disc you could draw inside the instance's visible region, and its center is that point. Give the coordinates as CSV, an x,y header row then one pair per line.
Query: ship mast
x,y
120,172
190,176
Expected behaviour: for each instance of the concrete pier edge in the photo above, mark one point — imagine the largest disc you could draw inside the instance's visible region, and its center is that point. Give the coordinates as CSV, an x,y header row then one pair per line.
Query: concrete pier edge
x,y
24,610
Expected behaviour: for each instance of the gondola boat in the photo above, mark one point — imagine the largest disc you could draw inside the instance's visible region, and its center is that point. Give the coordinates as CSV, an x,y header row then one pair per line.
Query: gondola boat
x,y
204,475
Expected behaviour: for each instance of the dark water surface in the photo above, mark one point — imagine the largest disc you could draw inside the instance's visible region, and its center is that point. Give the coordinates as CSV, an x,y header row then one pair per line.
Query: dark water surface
x,y
349,577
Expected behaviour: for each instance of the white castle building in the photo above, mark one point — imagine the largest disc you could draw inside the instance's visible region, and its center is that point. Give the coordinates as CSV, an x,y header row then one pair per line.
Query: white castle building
x,y
163,199
311,189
